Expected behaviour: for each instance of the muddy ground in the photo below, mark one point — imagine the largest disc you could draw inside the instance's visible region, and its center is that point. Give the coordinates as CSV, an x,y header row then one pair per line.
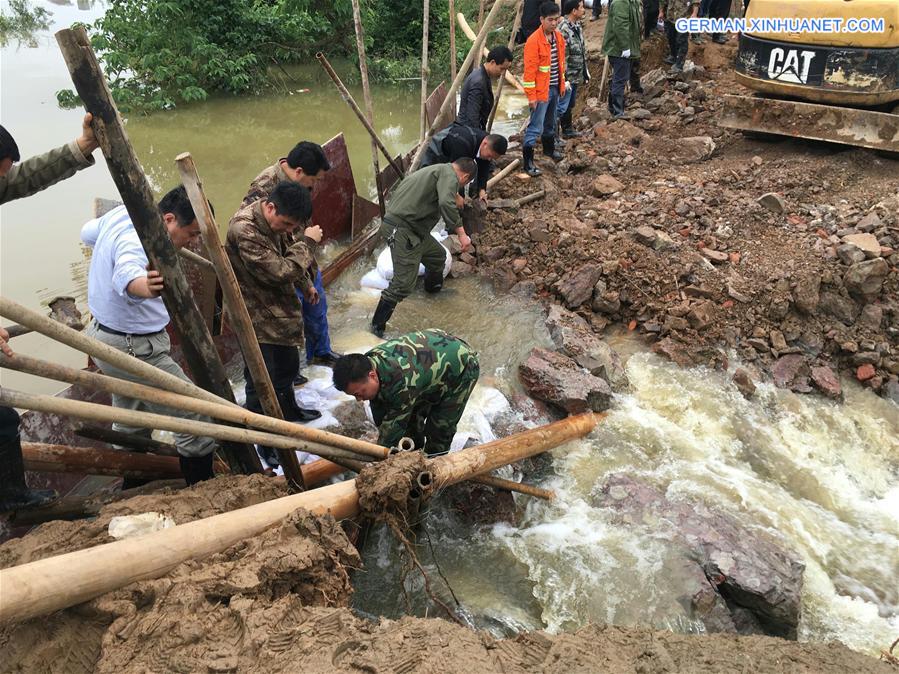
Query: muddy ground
x,y
278,603
660,223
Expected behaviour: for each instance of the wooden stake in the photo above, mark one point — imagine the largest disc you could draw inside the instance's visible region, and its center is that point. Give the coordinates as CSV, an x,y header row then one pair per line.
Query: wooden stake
x,y
512,165
45,458
424,70
604,78
199,350
55,583
520,487
237,308
452,38
516,23
348,98
449,101
529,198
470,34
366,96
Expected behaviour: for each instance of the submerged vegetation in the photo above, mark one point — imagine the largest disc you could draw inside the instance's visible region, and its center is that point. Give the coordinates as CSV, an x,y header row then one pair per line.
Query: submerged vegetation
x,y
160,53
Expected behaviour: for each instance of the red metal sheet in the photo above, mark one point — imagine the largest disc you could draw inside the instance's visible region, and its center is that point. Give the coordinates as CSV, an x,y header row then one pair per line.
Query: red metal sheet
x,y
435,100
332,196
364,211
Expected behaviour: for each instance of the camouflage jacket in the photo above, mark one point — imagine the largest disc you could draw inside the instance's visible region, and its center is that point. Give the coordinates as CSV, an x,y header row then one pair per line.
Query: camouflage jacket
x,y
575,51
261,187
677,9
414,369
43,170
268,267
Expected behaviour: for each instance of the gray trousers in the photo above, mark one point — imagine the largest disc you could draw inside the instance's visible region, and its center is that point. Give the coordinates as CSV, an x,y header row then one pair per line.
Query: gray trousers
x,y
153,350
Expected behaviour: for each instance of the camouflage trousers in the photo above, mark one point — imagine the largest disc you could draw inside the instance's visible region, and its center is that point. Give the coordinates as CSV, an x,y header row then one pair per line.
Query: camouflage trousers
x,y
433,424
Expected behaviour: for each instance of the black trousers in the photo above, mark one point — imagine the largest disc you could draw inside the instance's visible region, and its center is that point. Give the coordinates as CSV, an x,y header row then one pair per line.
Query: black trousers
x,y
621,73
678,43
719,9
283,365
650,16
9,424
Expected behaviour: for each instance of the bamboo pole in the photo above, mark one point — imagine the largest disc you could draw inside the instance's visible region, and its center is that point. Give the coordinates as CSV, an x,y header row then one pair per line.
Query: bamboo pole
x,y
199,350
507,170
366,96
509,485
239,415
237,308
470,34
449,101
55,583
104,413
529,198
516,23
48,458
452,38
424,69
348,98
132,441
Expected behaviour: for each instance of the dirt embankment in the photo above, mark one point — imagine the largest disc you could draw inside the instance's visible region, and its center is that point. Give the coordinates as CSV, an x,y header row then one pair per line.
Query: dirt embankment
x,y
277,603
707,242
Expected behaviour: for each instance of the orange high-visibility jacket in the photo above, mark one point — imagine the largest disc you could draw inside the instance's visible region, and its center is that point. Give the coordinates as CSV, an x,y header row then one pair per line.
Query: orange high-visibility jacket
x,y
537,61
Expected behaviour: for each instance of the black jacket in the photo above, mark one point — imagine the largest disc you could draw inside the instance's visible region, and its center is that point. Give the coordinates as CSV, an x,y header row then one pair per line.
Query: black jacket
x,y
457,141
476,100
530,18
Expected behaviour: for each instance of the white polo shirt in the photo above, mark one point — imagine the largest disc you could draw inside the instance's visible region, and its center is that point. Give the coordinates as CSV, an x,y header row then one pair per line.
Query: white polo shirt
x,y
118,258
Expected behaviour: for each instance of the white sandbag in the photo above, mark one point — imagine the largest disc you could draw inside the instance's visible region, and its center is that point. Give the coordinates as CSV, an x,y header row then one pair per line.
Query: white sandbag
x,y
373,279
385,264
128,526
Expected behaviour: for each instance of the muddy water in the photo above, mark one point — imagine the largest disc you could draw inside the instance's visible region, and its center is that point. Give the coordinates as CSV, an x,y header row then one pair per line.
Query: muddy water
x,y
821,475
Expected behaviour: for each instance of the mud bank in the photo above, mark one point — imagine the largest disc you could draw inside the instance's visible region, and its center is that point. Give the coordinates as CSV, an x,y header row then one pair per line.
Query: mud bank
x,y
278,602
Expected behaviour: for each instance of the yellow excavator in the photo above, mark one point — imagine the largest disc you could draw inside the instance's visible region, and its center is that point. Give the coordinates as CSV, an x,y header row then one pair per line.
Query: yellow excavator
x,y
840,87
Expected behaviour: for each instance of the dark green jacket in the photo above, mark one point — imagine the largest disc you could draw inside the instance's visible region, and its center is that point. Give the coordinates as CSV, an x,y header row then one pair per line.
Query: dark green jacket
x,y
420,200
415,369
41,171
624,28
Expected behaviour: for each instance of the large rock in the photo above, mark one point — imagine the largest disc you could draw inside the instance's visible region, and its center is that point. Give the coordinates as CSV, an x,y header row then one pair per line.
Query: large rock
x,y
773,202
807,294
577,287
573,336
557,379
605,185
866,243
827,382
791,372
841,308
757,577
654,238
866,278
694,148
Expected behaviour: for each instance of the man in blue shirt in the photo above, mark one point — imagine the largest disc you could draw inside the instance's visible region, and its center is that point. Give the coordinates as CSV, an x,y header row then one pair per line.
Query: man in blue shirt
x,y
129,314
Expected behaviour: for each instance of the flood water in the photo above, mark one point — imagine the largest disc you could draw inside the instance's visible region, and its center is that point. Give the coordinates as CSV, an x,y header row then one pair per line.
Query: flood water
x,y
823,476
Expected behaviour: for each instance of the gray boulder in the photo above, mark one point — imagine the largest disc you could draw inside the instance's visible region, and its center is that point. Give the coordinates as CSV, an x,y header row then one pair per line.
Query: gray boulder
x,y
573,336
557,379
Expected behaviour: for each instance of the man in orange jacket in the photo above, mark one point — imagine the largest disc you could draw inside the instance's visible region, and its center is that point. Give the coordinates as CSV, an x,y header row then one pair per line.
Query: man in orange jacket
x,y
544,82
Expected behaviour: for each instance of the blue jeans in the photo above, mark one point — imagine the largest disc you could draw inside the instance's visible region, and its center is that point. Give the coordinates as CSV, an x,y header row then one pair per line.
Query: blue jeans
x,y
567,100
543,119
315,322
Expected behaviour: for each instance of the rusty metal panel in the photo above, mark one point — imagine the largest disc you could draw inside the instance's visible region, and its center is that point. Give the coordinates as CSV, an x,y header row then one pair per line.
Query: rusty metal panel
x,y
435,100
834,124
332,196
364,211
389,177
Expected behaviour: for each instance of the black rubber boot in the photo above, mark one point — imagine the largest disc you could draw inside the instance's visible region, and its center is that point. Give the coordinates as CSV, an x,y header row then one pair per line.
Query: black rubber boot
x,y
292,411
14,493
568,130
196,468
549,148
530,168
616,106
433,281
381,316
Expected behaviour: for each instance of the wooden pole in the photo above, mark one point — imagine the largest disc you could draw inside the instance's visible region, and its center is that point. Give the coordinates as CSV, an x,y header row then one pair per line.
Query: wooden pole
x,y
529,198
512,165
449,101
196,343
604,78
366,96
48,458
470,34
239,415
131,441
237,308
452,38
104,413
191,256
520,487
55,583
348,98
516,23
424,70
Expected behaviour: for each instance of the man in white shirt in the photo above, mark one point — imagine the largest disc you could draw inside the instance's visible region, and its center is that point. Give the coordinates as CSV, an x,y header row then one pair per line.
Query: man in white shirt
x,y
129,314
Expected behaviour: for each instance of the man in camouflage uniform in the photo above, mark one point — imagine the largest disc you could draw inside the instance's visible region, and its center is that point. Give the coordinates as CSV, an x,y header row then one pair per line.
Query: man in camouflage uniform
x,y
270,266
576,73
416,205
16,182
417,384
678,43
305,165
